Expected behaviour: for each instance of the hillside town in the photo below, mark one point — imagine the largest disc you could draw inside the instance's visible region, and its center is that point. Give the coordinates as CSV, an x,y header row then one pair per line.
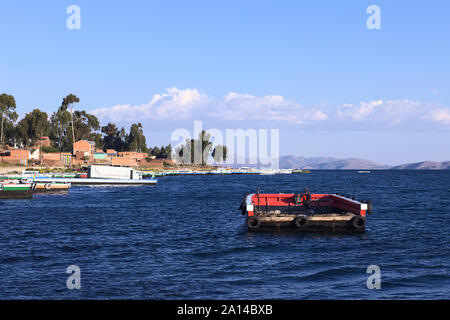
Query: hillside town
x,y
69,138
72,138
84,153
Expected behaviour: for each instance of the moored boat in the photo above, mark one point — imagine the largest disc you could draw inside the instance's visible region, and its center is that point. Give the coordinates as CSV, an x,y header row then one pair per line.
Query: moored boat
x,y
99,181
300,171
10,189
52,187
305,212
267,172
103,175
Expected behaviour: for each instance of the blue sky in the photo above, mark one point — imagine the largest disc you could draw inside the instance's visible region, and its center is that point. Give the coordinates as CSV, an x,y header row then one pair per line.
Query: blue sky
x,y
310,68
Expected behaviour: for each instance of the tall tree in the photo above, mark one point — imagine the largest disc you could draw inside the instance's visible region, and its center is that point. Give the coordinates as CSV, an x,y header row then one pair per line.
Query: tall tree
x,y
98,139
114,138
34,125
220,153
86,125
136,138
67,104
195,150
206,145
10,132
122,141
58,131
185,153
7,111
169,151
111,133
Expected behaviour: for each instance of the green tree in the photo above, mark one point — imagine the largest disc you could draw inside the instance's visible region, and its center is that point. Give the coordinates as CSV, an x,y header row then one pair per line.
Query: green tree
x,y
195,150
220,153
59,128
185,153
85,125
169,151
155,152
7,111
110,132
122,141
160,153
34,125
204,140
163,152
97,138
10,132
114,138
136,139
67,104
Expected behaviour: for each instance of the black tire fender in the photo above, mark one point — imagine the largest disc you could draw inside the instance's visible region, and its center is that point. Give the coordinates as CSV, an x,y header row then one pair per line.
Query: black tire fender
x,y
253,222
358,222
301,221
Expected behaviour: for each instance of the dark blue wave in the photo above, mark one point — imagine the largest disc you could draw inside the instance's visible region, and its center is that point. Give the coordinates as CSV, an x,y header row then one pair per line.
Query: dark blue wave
x,y
185,239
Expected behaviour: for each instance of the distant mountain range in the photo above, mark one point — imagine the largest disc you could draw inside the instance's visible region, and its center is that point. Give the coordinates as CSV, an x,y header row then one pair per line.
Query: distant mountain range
x,y
294,162
288,162
425,165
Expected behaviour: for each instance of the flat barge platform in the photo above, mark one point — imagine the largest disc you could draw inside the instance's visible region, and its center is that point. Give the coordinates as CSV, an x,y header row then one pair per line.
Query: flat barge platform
x,y
305,212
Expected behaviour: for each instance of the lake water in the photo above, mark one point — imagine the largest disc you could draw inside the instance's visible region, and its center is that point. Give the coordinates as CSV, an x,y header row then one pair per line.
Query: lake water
x,y
186,239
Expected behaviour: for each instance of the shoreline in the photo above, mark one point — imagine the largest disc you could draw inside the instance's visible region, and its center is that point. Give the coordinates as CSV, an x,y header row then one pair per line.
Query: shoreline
x,y
193,168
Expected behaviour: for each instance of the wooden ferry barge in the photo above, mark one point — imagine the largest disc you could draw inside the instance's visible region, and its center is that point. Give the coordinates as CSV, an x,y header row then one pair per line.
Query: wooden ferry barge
x,y
305,212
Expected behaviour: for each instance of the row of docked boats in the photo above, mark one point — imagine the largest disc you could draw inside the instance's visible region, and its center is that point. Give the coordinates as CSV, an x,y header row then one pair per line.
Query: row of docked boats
x,y
30,182
225,171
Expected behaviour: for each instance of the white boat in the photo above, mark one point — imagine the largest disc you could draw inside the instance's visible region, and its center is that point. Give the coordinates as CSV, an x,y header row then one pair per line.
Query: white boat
x,y
220,171
104,175
267,172
98,181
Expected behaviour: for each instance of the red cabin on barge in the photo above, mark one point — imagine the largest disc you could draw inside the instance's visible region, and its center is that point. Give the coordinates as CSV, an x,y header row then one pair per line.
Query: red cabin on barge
x,y
305,212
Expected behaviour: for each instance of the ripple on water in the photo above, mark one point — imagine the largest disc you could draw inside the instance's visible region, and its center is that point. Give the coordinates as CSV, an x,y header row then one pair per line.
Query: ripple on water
x,y
185,239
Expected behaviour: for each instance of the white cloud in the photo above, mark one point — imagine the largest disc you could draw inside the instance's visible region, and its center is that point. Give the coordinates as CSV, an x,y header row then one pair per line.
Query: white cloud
x,y
174,104
248,107
391,112
358,113
319,116
178,104
441,115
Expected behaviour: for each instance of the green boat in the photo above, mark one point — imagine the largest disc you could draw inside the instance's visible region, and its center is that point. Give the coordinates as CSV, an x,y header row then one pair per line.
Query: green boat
x,y
14,190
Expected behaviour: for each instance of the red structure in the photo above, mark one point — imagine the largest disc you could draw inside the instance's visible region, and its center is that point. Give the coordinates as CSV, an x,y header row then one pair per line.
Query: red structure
x,y
305,211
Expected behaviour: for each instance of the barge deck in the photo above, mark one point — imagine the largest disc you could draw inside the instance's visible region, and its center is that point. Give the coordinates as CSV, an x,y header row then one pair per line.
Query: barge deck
x,y
305,212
